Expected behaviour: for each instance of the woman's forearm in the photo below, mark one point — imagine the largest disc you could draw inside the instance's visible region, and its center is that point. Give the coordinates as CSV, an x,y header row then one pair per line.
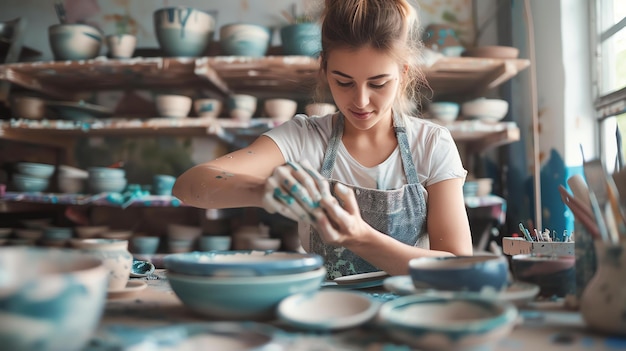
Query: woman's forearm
x,y
205,186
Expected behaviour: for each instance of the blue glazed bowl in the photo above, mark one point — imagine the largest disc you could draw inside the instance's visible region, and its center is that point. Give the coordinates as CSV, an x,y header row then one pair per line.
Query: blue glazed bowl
x,y
106,173
242,263
50,299
437,323
555,275
146,245
74,41
163,184
241,39
241,298
183,31
29,183
477,274
39,170
301,39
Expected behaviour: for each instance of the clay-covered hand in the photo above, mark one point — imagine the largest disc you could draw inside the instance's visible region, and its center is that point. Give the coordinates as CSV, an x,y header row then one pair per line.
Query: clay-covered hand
x,y
342,222
294,192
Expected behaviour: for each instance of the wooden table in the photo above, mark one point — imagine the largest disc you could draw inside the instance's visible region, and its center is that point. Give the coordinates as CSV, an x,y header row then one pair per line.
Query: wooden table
x,y
544,326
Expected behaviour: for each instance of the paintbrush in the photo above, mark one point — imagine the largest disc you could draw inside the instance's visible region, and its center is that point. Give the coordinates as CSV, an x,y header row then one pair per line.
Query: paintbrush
x,y
580,212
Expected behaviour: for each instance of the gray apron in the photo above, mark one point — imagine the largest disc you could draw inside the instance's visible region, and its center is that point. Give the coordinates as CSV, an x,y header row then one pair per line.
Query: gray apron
x,y
399,213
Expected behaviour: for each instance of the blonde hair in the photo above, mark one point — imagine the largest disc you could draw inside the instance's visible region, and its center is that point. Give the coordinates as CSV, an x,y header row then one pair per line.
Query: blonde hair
x,y
389,26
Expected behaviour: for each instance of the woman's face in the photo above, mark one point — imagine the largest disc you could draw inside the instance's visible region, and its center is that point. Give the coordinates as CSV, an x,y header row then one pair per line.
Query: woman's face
x,y
364,83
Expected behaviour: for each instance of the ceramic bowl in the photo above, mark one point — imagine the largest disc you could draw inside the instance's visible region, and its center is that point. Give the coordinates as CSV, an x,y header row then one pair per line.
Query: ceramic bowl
x,y
90,231
54,304
478,274
183,231
38,170
555,275
106,173
436,323
112,185
173,106
74,41
162,184
319,109
28,107
492,51
486,110
325,310
242,106
444,111
264,244
215,242
208,107
69,185
117,234
29,183
243,39
242,263
183,31
301,39
237,298
184,245
59,233
121,45
72,172
280,109
145,245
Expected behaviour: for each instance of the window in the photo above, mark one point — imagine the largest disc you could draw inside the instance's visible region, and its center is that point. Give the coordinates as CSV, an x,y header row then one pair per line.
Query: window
x,y
610,78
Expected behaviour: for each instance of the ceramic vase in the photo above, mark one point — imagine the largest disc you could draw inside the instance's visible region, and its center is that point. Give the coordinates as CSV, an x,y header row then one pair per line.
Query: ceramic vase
x,y
115,256
603,302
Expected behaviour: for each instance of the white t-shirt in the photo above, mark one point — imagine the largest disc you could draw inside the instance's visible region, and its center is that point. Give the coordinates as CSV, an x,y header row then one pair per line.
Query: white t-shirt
x,y
434,152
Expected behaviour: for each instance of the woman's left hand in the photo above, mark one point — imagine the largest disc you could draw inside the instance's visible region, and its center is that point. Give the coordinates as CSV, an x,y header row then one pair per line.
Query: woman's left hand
x,y
342,222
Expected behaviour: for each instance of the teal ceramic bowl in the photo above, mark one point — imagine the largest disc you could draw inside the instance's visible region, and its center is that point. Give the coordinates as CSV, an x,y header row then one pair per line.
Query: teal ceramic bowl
x,y
242,263
162,184
39,170
183,31
146,245
29,183
241,39
50,299
438,323
301,39
241,298
112,185
74,41
106,173
476,274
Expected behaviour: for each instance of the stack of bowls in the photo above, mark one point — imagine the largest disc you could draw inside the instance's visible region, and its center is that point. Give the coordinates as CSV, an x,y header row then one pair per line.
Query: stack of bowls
x,y
32,177
241,285
106,180
182,237
50,299
71,180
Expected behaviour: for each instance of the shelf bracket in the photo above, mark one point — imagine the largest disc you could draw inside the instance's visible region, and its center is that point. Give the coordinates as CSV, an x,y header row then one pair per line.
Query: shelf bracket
x,y
203,69
501,74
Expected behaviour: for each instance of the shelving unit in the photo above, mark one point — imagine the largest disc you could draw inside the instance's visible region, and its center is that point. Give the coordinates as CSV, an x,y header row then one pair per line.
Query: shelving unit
x,y
270,76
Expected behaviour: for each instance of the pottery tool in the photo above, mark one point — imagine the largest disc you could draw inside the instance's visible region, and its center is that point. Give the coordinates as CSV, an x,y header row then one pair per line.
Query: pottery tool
x,y
586,218
525,232
596,178
60,11
597,213
579,189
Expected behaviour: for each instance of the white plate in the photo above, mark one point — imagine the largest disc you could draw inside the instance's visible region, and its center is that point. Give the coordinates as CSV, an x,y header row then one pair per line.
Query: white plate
x,y
361,278
132,286
327,310
518,293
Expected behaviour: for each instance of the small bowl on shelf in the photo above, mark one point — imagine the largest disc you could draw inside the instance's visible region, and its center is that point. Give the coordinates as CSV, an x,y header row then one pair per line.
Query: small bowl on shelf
x,y
28,107
173,106
28,184
74,41
244,39
242,106
208,107
486,110
97,173
32,169
280,109
444,111
492,51
183,31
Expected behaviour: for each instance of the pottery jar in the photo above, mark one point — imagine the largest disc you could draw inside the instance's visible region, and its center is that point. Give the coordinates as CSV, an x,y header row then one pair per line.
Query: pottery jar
x,y
115,256
603,302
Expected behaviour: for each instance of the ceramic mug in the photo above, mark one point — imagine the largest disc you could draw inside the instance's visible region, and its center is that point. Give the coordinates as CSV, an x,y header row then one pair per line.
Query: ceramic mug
x,y
121,45
115,256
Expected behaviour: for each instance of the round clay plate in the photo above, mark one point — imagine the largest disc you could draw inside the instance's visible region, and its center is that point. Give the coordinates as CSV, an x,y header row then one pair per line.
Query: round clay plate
x,y
133,286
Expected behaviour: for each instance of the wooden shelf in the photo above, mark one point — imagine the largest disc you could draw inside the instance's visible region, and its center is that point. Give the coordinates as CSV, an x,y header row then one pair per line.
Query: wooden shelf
x,y
264,76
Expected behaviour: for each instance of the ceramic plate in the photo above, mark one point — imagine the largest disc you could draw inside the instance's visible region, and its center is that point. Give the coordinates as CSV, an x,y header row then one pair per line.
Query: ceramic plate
x,y
517,292
241,263
132,286
78,111
327,310
358,281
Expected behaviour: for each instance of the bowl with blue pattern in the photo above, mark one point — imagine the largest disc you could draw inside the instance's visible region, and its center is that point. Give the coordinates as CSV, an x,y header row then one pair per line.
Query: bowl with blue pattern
x,y
244,39
50,298
242,263
447,323
482,274
74,41
183,31
241,298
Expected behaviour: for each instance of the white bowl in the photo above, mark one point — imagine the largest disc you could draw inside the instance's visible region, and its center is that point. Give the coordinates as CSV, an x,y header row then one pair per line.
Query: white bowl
x,y
241,298
86,232
74,41
444,111
487,110
327,310
50,299
280,109
183,231
183,31
439,323
173,106
121,45
28,107
319,109
71,185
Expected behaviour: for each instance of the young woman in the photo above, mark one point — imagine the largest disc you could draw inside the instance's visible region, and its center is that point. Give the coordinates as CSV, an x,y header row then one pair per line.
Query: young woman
x,y
370,186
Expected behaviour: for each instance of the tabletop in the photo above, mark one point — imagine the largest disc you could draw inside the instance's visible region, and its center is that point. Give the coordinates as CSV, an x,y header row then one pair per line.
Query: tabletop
x,y
542,326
